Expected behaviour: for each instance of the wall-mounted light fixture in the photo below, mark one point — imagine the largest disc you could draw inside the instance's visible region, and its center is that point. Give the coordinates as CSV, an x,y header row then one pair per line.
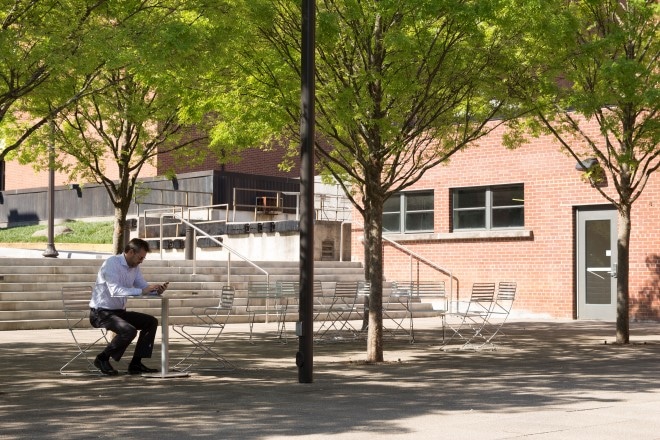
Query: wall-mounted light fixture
x,y
593,172
77,187
587,164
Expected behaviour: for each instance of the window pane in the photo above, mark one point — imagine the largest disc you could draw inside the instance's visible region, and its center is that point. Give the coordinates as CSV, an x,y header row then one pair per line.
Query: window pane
x,y
419,202
419,221
508,217
470,219
508,196
391,222
469,198
393,204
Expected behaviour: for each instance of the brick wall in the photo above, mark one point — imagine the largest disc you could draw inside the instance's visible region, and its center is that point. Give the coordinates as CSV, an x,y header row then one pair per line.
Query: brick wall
x,y
19,176
252,161
543,264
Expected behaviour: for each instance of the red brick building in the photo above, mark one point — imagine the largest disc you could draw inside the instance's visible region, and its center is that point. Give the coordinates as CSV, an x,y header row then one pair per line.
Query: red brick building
x,y
494,214
525,215
14,176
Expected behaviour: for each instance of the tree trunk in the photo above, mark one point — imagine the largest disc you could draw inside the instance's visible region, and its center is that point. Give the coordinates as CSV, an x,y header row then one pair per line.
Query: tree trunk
x,y
121,210
373,252
622,274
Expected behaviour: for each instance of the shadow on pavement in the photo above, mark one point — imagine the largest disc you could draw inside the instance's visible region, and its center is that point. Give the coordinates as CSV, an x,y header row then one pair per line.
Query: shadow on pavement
x,y
550,365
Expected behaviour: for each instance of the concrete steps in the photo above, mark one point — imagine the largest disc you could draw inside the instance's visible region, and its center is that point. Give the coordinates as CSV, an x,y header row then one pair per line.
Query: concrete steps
x,y
30,288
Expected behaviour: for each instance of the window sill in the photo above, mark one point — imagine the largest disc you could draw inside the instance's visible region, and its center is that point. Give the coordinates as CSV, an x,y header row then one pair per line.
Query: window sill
x,y
463,235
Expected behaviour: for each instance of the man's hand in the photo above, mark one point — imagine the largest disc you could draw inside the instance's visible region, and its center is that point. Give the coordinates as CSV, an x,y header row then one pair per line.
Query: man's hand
x,y
155,289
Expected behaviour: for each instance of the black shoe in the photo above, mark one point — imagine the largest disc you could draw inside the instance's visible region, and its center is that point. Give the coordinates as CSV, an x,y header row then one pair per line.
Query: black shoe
x,y
105,367
140,368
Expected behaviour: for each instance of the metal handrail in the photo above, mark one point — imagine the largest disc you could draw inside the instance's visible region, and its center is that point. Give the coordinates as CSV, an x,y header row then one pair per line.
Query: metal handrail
x,y
322,210
281,206
208,209
342,211
186,194
429,263
224,246
426,261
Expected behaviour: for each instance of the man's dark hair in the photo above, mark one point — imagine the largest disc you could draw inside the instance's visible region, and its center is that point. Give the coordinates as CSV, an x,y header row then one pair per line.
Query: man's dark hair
x,y
137,244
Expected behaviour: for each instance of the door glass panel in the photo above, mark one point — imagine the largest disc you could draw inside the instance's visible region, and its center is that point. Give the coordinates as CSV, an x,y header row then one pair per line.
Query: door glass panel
x,y
598,262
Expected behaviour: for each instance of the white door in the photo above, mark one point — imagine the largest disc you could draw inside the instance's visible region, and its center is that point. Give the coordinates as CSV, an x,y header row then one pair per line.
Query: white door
x,y
596,264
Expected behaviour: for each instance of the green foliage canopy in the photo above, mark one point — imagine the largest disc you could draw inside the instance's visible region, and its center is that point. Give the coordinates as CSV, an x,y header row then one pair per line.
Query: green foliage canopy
x,y
41,43
400,87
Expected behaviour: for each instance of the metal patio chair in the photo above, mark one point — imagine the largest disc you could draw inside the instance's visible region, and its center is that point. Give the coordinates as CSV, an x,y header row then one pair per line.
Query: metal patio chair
x,y
205,332
344,303
468,325
287,293
261,299
418,297
396,309
322,301
75,305
506,294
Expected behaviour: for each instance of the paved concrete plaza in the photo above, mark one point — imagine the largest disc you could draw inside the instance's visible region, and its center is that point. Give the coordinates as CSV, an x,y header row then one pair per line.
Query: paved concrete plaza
x,y
558,380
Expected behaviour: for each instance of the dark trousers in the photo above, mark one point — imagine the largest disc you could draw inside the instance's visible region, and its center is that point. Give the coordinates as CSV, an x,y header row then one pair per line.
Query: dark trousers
x,y
125,325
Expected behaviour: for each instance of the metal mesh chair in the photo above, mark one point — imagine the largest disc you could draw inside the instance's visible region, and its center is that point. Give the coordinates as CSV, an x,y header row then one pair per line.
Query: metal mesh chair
x,y
75,305
396,309
339,312
468,325
506,294
417,297
204,333
262,299
322,302
287,296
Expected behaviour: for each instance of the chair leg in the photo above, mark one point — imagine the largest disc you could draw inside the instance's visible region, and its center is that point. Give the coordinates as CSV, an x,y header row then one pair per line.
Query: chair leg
x,y
83,352
201,348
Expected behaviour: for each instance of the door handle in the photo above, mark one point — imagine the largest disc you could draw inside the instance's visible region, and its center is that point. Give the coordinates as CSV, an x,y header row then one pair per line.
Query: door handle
x,y
613,272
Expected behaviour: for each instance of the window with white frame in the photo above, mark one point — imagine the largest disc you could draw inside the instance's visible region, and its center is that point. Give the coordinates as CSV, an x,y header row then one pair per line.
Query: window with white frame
x,y
409,212
490,207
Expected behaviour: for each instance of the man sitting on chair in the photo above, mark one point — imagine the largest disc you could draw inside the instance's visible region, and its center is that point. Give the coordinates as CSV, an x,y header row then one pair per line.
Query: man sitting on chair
x,y
120,278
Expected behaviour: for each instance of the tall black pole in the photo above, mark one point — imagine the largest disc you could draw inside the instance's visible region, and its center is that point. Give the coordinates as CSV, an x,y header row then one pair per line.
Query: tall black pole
x,y
305,355
50,247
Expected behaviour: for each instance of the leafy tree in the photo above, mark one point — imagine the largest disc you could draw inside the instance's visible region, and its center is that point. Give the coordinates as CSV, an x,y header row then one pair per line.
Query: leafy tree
x,y
154,54
400,87
41,41
597,63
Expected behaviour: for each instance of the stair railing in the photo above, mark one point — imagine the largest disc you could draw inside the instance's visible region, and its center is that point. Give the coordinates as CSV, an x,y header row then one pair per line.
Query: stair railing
x,y
420,259
197,230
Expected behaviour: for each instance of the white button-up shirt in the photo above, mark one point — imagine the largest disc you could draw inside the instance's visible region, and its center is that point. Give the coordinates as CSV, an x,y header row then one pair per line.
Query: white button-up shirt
x,y
115,282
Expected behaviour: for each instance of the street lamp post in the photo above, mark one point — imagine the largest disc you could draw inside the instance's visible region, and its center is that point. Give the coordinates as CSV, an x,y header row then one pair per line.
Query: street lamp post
x,y
50,247
305,325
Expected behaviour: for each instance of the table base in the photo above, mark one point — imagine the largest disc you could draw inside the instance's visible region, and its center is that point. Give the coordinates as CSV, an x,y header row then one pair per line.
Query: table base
x,y
167,375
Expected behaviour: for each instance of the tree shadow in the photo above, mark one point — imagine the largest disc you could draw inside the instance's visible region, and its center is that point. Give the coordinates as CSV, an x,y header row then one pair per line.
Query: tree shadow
x,y
646,304
547,365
